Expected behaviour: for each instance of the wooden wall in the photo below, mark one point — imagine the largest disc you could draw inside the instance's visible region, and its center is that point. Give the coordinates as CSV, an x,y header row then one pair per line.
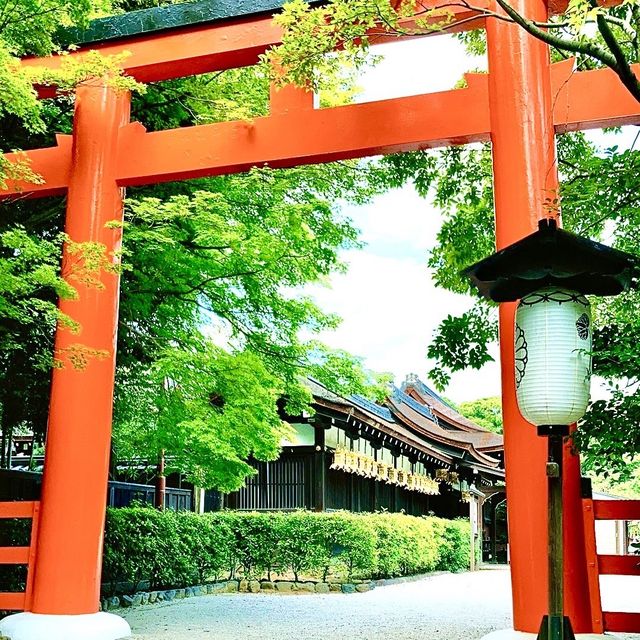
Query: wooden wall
x,y
290,483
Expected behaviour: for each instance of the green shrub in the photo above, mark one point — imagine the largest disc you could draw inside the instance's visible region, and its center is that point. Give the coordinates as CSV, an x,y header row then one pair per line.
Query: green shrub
x,y
172,550
352,541
455,546
142,544
257,542
209,543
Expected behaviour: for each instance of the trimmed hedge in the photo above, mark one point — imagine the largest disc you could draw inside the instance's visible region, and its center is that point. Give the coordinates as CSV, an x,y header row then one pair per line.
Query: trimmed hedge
x,y
174,550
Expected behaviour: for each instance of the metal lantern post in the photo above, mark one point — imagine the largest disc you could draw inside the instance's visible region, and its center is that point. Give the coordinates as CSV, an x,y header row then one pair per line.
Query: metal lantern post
x,y
550,272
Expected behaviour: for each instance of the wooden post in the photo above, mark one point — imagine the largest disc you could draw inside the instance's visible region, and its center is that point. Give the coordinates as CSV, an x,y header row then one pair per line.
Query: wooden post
x,y
74,487
319,470
525,188
161,483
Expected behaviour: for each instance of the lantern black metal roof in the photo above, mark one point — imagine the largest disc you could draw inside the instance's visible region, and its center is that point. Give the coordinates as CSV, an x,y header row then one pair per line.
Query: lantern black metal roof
x,y
554,257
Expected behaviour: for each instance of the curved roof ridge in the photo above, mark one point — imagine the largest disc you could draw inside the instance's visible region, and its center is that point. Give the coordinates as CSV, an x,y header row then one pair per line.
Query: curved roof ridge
x,y
457,439
423,409
448,413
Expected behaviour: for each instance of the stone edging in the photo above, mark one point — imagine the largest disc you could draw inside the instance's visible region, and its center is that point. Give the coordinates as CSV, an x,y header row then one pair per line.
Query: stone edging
x,y
254,586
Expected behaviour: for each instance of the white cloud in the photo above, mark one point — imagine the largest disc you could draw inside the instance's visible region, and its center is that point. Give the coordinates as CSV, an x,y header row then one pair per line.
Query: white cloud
x,y
413,67
387,299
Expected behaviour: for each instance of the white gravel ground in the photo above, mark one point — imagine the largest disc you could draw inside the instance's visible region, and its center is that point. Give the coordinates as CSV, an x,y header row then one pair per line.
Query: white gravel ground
x,y
445,607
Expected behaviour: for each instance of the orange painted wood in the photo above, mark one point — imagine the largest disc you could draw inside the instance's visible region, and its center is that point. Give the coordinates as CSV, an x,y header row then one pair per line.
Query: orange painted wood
x,y
386,126
14,555
236,43
619,565
71,523
525,178
17,509
35,524
306,136
12,601
230,44
616,509
183,52
52,164
593,576
312,136
288,98
622,622
590,99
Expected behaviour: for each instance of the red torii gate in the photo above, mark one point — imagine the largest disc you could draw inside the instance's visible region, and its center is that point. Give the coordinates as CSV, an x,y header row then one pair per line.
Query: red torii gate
x,y
518,106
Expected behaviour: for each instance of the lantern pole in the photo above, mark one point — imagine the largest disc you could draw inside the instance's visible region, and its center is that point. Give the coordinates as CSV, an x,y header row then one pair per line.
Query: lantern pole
x,y
555,625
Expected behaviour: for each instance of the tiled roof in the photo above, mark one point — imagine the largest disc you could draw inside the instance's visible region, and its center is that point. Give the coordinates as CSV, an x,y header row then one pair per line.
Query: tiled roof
x,y
442,408
377,409
471,442
415,423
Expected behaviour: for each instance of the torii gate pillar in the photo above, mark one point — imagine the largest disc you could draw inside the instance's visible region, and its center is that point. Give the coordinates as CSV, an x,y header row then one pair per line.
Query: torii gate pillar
x,y
525,190
66,589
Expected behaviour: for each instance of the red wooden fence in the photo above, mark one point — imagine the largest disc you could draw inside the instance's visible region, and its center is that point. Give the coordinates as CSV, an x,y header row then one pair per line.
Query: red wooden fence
x,y
19,601
598,565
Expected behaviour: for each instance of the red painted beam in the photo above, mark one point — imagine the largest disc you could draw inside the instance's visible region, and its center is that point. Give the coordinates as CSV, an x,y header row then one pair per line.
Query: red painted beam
x,y
616,509
18,509
201,49
297,134
184,52
14,555
590,99
306,136
622,622
12,601
619,565
292,136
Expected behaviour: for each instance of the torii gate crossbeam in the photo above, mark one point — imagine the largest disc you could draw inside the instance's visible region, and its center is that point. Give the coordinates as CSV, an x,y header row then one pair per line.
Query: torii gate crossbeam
x,y
519,106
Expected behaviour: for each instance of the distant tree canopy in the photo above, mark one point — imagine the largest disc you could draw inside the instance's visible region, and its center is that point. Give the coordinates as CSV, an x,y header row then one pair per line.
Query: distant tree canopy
x,y
485,412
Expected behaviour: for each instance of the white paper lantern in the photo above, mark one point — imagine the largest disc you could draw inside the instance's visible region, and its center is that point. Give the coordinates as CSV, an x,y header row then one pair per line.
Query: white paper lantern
x,y
553,356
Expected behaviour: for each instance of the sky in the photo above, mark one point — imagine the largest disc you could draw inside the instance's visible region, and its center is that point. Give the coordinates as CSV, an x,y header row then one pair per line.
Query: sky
x,y
389,304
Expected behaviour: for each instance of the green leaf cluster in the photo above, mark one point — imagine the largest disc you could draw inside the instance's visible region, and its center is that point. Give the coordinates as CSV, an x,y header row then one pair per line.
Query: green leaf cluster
x,y
216,261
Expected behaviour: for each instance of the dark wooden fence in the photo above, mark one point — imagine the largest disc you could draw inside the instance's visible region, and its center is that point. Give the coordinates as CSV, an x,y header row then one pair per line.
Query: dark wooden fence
x,y
25,485
123,494
283,484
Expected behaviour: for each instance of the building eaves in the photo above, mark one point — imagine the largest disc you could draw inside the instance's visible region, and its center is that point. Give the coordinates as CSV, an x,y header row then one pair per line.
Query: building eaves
x,y
461,440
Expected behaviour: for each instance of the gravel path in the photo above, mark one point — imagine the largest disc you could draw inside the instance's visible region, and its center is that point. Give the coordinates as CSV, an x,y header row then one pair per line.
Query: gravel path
x,y
445,607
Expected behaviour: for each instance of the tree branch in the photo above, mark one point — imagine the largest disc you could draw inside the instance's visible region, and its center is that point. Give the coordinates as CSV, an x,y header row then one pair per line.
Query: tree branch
x,y
623,69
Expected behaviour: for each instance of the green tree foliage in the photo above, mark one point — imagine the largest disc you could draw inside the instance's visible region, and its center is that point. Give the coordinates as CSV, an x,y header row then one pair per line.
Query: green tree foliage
x,y
599,196
629,488
217,260
486,412
599,35
208,409
342,372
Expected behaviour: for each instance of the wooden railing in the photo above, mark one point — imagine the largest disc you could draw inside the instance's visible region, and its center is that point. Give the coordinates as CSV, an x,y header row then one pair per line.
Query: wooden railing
x,y
598,564
19,601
